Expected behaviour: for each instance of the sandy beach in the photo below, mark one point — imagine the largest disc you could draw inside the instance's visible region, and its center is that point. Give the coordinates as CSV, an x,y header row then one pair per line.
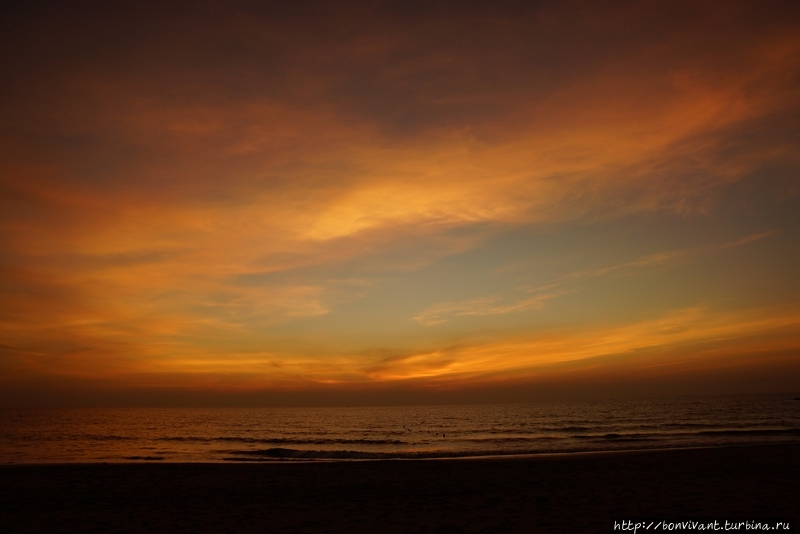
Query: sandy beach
x,y
566,493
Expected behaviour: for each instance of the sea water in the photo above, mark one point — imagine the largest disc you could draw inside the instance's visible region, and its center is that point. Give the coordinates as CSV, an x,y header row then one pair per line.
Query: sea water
x,y
39,435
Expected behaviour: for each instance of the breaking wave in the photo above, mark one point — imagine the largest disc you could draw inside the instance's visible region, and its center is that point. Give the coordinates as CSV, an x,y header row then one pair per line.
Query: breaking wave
x,y
287,441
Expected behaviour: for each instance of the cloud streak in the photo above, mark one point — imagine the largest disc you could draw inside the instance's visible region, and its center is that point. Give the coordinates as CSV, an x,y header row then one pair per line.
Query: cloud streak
x,y
438,313
672,339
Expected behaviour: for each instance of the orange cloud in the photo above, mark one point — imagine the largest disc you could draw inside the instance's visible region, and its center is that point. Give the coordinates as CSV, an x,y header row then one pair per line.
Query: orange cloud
x,y
438,313
683,335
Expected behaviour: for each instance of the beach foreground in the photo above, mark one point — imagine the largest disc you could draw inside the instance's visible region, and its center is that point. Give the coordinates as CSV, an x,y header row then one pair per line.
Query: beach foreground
x,y
564,493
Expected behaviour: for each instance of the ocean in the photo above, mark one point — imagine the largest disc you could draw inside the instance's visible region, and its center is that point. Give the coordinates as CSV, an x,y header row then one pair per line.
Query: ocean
x,y
38,435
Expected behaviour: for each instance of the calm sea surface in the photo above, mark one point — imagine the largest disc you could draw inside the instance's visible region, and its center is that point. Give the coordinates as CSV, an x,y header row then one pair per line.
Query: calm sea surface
x,y
275,434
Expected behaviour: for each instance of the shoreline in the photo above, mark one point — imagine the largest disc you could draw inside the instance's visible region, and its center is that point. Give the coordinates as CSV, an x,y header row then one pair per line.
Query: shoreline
x,y
256,460
537,493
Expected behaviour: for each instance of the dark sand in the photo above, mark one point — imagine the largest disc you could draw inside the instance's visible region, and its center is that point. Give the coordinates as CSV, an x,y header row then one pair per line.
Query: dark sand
x,y
574,493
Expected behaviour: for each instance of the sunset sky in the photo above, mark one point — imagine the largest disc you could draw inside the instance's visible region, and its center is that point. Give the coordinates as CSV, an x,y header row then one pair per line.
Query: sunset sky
x,y
390,202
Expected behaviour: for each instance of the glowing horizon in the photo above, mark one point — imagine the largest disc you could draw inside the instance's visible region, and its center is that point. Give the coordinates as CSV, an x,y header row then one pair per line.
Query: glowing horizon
x,y
251,199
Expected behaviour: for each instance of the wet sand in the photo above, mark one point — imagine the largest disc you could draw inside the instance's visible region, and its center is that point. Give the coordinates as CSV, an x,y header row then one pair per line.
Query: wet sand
x,y
569,493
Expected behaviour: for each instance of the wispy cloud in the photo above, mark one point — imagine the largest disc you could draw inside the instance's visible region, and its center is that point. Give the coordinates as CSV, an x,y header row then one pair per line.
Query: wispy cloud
x,y
683,336
649,261
439,313
627,268
748,239
496,305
